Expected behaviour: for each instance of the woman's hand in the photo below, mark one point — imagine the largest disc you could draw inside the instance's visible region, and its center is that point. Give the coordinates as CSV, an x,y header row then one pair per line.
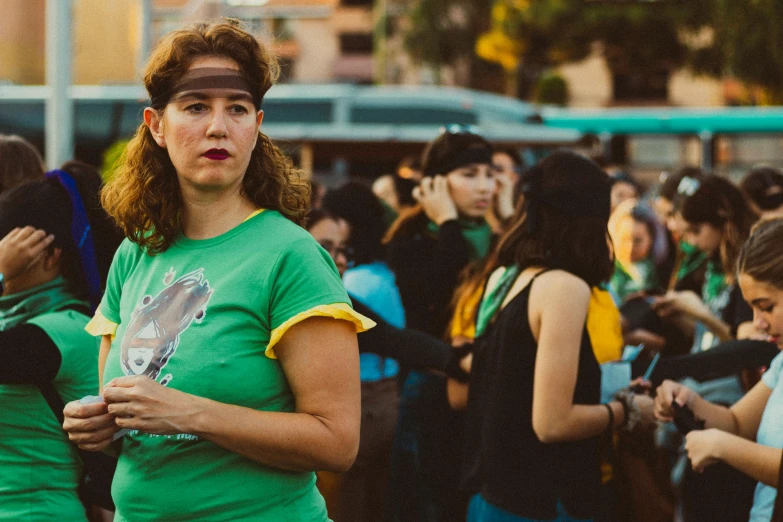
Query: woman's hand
x,y
704,447
434,197
21,248
139,403
646,406
687,303
504,200
89,426
669,392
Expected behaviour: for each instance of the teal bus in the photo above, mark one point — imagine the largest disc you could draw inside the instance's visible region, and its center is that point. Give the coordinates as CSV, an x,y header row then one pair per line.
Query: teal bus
x,y
722,140
332,130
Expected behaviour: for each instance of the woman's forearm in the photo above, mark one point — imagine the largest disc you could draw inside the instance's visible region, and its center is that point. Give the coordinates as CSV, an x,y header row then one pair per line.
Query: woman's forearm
x,y
290,441
759,462
580,422
719,328
715,415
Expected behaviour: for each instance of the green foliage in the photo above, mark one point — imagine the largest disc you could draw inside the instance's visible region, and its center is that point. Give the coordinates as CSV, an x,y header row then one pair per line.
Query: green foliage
x,y
748,43
528,37
111,158
552,89
442,31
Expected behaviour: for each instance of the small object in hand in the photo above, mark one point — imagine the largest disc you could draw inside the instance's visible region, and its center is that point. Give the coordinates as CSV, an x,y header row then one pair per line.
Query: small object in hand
x,y
91,399
685,420
638,388
98,399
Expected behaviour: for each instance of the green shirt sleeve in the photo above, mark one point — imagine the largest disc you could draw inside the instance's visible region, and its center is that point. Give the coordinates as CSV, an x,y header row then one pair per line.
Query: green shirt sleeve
x,y
120,265
305,277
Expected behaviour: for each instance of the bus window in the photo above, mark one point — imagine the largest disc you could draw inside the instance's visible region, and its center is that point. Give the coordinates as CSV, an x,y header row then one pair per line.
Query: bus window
x,y
736,154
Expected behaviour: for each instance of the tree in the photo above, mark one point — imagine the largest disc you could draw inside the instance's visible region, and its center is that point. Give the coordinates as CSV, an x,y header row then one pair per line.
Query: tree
x,y
444,32
744,38
747,43
638,39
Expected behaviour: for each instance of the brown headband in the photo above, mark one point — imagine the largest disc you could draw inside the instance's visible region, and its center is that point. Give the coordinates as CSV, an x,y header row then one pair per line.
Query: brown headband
x,y
208,78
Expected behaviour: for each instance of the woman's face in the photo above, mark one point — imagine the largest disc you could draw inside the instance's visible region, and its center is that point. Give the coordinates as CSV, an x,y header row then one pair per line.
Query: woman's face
x,y
642,242
505,165
704,236
622,191
209,133
677,225
472,187
332,234
767,304
663,208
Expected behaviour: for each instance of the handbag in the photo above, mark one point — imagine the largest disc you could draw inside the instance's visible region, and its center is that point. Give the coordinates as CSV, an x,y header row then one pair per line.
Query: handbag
x,y
98,471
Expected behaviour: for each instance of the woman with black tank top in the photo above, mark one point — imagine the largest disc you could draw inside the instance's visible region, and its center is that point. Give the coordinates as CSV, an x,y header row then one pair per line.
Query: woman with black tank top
x,y
534,406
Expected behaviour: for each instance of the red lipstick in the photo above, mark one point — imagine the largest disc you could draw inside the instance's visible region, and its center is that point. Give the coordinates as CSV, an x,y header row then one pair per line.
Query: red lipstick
x,y
216,154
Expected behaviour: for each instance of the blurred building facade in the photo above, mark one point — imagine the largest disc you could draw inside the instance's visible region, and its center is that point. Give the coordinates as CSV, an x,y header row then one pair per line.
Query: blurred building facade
x,y
317,41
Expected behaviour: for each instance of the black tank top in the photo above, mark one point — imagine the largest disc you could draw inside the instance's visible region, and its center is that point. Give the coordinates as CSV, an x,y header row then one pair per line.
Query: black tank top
x,y
503,458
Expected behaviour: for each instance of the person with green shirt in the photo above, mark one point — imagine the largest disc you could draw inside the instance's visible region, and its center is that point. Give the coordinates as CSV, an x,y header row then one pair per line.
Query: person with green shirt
x,y
228,345
46,277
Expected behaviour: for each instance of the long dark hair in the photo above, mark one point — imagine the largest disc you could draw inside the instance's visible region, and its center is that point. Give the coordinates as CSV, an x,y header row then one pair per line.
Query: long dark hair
x,y
356,204
560,222
764,187
719,203
46,205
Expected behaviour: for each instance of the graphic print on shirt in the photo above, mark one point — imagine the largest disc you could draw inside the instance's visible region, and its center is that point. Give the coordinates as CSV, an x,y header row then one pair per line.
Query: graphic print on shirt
x,y
157,322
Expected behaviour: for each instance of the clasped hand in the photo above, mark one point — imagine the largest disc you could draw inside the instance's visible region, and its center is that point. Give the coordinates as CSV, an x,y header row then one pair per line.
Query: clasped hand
x,y
685,302
136,403
703,446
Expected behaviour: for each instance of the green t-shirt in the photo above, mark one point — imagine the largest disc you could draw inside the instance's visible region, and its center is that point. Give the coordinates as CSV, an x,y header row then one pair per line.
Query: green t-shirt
x,y
39,467
198,318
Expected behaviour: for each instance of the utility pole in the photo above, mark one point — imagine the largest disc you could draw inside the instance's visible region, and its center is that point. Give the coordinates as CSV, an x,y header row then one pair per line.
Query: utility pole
x,y
145,33
379,42
59,105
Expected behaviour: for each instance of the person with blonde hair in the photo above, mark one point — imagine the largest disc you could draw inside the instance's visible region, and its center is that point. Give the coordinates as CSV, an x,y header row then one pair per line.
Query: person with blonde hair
x,y
228,346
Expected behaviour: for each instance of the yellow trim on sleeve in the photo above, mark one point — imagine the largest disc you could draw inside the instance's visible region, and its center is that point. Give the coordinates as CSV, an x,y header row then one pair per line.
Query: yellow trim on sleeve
x,y
99,325
340,311
254,214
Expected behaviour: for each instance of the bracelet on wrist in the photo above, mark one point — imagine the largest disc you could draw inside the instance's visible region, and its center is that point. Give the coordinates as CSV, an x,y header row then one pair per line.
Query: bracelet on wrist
x,y
633,414
610,426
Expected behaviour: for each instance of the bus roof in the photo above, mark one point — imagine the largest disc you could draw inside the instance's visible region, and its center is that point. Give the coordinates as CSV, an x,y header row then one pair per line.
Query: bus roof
x,y
717,120
307,113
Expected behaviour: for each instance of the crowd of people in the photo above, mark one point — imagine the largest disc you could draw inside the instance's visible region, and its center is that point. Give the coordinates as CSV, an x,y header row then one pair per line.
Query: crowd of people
x,y
210,336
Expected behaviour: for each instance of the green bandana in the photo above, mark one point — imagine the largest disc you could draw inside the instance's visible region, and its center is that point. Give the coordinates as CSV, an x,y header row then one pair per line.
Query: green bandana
x,y
493,300
692,259
16,309
624,284
714,281
478,234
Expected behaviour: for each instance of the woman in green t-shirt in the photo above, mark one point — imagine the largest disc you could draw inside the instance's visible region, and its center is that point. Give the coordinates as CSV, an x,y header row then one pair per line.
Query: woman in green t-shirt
x,y
47,278
228,342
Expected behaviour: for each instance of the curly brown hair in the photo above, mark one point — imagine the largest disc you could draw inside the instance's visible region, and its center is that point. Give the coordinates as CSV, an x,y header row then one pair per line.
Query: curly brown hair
x,y
144,196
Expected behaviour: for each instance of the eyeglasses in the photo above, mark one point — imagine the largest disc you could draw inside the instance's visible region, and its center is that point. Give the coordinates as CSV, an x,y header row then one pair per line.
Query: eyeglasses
x,y
336,251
